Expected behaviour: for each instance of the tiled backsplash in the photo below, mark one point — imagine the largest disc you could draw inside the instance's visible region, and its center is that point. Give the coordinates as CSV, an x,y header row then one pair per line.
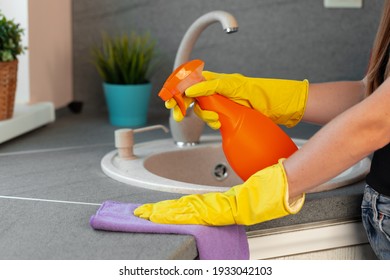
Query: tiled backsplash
x,y
280,39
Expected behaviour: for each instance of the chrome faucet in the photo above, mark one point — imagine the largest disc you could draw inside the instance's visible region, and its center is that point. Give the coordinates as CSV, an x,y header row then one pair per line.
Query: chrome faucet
x,y
188,131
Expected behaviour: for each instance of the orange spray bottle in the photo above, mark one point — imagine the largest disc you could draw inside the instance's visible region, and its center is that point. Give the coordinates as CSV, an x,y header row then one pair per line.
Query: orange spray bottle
x,y
250,140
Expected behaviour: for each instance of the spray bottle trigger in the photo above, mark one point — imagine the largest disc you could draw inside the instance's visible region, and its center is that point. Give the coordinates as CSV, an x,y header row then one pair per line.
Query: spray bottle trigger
x,y
180,102
166,94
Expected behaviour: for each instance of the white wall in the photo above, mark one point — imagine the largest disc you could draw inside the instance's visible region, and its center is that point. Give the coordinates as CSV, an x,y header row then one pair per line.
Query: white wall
x,y
45,70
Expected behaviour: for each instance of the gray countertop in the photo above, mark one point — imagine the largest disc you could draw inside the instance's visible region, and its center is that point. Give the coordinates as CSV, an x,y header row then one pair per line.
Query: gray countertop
x,y
51,183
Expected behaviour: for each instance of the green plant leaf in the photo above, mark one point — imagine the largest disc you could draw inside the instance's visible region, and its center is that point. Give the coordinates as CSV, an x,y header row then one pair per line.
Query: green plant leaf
x,y
125,59
10,39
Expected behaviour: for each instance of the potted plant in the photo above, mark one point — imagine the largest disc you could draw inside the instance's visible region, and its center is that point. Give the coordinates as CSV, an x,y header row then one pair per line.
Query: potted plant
x,y
125,65
10,47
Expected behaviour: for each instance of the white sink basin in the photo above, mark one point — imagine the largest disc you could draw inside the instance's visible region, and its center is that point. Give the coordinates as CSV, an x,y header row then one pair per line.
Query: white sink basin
x,y
163,166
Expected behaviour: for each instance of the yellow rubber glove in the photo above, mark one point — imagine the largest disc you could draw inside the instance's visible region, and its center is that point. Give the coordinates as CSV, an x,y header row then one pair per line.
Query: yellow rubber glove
x,y
264,196
210,117
171,104
283,101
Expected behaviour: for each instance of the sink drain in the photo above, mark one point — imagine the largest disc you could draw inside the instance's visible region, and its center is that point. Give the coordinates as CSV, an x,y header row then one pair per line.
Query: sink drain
x,y
220,171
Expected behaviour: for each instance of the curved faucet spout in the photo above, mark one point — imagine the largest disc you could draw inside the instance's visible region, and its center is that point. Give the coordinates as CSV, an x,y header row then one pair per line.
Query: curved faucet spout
x,y
229,25
189,130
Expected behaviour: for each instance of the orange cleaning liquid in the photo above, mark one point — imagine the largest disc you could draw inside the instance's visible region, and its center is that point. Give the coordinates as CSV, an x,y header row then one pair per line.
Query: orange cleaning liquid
x,y
250,140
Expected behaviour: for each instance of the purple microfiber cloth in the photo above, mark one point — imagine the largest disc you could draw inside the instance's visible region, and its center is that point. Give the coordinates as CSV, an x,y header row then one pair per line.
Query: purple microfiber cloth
x,y
213,243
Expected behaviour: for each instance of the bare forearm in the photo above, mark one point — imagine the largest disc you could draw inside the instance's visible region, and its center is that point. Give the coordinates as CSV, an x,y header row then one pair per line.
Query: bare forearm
x,y
344,141
327,100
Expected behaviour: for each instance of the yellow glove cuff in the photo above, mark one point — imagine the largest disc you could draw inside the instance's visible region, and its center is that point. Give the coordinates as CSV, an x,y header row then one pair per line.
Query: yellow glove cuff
x,y
285,100
264,196
299,107
292,206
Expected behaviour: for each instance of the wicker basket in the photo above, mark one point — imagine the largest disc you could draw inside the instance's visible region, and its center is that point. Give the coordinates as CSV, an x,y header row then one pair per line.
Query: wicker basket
x,y
8,78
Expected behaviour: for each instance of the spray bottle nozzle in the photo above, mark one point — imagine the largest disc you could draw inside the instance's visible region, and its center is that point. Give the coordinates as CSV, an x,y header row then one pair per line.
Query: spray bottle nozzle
x,y
182,78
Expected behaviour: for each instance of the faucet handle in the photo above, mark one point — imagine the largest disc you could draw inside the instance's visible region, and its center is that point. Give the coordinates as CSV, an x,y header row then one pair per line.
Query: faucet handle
x,y
124,139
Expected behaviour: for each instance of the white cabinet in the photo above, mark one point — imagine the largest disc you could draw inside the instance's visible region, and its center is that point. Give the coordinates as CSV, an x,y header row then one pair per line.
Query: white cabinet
x,y
322,240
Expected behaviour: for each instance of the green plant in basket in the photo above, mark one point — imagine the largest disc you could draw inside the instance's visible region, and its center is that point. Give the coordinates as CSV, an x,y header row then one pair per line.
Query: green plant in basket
x,y
10,47
125,59
10,39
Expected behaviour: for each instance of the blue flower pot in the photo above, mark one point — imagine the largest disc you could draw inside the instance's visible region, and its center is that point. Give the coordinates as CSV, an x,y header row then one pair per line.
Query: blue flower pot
x,y
127,104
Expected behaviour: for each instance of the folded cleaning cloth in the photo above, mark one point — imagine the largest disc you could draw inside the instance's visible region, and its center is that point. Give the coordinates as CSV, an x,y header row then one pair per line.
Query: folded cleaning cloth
x,y
213,243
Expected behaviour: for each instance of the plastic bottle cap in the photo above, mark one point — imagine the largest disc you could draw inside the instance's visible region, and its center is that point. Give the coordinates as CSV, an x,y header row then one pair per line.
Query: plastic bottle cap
x,y
182,78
